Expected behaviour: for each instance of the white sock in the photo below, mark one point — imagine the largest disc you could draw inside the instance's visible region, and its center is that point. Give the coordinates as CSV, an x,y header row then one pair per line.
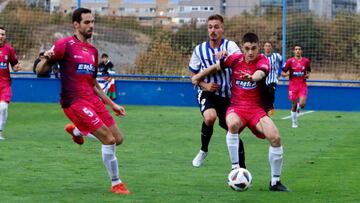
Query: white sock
x,y
111,163
293,116
3,114
298,110
232,141
276,161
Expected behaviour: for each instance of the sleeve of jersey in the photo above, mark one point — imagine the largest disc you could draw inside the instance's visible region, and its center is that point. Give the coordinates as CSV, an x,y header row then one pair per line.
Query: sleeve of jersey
x,y
227,62
13,58
59,50
308,68
195,62
263,65
233,48
286,66
96,64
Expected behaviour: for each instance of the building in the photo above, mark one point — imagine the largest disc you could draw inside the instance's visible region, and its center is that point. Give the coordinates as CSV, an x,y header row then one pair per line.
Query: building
x,y
324,8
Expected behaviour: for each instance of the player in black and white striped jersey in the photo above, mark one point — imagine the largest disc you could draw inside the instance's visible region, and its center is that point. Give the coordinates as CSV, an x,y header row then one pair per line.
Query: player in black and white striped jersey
x,y
215,90
275,61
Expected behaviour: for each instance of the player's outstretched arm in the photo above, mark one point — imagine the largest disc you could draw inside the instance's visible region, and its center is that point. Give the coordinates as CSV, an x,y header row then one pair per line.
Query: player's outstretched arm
x,y
257,76
119,110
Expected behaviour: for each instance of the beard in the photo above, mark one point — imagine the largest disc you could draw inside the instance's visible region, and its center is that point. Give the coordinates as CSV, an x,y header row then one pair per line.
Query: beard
x,y
86,34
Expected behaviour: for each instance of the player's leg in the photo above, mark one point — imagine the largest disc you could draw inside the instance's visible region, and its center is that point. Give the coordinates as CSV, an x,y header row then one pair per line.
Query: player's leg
x,y
3,116
86,118
269,129
207,109
234,124
221,108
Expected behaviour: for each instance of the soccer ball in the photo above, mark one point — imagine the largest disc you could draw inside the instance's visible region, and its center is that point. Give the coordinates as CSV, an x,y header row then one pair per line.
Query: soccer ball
x,y
239,179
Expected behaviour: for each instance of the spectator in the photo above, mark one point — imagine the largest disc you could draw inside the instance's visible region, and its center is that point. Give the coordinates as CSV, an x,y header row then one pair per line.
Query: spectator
x,y
106,65
42,75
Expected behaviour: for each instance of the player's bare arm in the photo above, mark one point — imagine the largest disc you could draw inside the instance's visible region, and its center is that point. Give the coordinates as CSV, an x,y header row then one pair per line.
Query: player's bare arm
x,y
45,64
221,54
283,74
119,110
16,67
197,78
257,76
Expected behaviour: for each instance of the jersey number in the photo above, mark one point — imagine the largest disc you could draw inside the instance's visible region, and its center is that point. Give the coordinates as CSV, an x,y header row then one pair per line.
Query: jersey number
x,y
87,112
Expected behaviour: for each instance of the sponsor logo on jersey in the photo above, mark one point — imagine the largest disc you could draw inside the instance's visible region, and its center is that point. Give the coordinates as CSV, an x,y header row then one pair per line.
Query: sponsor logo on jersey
x,y
246,84
78,57
298,73
84,68
3,65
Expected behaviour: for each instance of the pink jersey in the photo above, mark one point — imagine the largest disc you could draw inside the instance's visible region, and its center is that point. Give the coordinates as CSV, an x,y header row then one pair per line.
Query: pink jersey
x,y
246,94
78,67
297,68
7,56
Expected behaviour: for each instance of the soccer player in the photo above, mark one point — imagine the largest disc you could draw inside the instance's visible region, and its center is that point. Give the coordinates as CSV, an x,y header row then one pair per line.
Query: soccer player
x,y
7,58
275,62
248,70
298,69
214,91
82,99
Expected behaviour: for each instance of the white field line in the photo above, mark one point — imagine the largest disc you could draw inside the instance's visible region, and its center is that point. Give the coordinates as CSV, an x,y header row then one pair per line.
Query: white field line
x,y
301,114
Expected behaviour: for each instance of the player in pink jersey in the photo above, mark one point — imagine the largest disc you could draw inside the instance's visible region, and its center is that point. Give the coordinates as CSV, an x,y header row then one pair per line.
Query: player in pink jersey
x,y
248,73
298,69
7,58
82,99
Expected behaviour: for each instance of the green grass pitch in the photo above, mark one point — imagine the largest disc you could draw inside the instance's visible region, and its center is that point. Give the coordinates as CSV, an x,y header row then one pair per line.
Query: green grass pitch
x,y
40,163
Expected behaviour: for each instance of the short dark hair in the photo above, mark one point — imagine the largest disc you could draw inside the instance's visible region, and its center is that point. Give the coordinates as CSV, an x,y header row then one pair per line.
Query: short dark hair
x,y
268,42
216,17
76,16
297,45
250,37
104,55
2,28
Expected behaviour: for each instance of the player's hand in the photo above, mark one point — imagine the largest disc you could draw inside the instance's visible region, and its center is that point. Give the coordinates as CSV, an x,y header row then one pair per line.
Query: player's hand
x,y
48,54
195,79
245,76
119,110
221,54
210,87
17,67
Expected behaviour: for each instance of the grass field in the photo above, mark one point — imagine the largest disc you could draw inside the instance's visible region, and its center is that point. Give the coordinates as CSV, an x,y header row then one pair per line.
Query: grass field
x,y
39,162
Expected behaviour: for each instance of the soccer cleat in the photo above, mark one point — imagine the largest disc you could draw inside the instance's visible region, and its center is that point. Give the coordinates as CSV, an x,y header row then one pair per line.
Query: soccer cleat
x,y
2,138
120,189
77,139
278,187
199,159
294,125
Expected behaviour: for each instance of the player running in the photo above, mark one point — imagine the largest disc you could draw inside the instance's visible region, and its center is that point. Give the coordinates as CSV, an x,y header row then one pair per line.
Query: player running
x,y
248,71
298,69
81,96
7,58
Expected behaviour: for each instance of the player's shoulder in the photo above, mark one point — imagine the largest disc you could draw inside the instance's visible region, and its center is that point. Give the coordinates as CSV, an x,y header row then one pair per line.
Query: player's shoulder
x,y
7,46
306,59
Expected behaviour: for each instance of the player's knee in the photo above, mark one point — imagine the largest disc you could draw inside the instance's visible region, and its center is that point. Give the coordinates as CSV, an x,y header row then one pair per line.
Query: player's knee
x,y
109,140
119,140
210,120
274,140
233,126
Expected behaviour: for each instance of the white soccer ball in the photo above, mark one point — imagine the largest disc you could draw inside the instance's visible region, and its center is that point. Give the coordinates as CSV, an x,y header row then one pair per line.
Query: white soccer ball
x,y
239,179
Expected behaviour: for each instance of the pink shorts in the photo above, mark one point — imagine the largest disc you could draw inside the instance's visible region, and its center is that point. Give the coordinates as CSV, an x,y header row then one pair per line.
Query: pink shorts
x,y
297,90
249,118
5,93
87,116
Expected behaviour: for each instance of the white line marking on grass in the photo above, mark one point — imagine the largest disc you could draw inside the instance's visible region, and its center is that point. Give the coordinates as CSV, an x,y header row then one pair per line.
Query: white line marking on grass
x,y
301,114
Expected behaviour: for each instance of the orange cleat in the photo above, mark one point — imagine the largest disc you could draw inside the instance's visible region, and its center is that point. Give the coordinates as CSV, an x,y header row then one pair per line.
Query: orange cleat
x,y
120,189
70,129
